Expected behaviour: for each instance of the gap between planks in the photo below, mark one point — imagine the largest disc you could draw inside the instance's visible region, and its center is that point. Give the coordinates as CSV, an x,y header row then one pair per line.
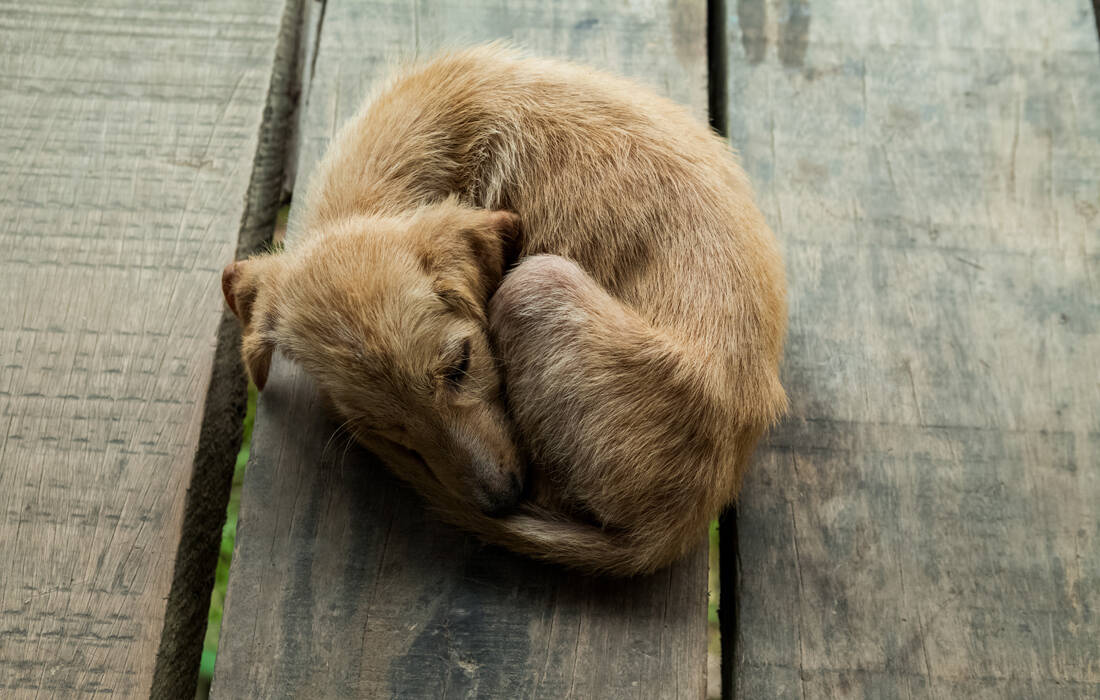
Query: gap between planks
x,y
718,110
179,653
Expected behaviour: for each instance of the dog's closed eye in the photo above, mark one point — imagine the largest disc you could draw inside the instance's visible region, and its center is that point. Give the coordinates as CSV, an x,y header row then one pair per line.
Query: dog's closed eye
x,y
456,371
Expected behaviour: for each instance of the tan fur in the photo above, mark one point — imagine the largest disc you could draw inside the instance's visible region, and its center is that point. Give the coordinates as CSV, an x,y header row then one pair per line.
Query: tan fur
x,y
630,358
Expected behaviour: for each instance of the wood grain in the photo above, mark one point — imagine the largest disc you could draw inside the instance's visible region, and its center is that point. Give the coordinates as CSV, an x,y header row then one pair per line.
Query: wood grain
x,y
342,585
129,132
925,524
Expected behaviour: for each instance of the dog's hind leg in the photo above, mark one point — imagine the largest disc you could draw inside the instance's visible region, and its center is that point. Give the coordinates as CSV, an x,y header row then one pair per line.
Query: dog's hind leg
x,y
618,420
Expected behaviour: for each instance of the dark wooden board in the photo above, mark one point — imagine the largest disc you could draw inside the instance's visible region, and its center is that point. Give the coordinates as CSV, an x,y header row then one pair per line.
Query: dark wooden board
x,y
129,133
926,523
342,585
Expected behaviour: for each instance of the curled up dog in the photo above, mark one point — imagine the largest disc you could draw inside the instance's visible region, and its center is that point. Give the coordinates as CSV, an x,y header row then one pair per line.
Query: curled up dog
x,y
543,295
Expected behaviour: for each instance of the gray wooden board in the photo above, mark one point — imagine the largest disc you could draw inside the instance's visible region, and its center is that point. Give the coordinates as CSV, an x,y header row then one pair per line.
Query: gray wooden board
x,y
128,133
342,584
927,521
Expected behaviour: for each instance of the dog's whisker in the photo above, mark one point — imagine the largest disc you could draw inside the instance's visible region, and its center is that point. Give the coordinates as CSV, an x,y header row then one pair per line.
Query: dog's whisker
x,y
335,432
344,454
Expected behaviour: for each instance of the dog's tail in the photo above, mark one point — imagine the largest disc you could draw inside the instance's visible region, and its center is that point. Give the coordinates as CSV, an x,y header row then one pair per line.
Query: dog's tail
x,y
544,534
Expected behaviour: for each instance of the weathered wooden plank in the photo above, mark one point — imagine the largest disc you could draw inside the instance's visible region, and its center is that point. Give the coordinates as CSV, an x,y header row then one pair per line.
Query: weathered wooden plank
x,y
129,132
342,585
925,524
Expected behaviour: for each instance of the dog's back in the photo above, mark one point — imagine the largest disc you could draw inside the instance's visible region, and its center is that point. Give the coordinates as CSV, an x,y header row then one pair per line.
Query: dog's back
x,y
629,185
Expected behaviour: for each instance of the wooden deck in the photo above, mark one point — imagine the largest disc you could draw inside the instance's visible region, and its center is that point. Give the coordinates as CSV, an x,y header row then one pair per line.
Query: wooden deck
x,y
926,523
363,593
132,144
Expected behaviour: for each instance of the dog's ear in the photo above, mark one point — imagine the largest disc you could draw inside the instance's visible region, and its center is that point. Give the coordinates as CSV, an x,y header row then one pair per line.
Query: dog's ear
x,y
239,290
467,253
496,241
241,282
256,350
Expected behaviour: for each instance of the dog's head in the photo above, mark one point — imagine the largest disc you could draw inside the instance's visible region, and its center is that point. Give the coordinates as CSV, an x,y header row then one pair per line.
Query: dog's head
x,y
388,315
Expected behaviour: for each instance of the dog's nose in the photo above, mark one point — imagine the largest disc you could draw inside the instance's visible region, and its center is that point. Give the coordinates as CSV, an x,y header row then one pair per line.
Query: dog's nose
x,y
503,500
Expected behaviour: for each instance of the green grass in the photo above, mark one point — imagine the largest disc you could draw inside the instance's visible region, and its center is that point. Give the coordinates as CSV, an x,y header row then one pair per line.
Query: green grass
x,y
225,556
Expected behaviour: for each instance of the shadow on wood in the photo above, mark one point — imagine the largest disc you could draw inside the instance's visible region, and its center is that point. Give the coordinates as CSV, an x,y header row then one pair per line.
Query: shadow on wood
x,y
344,585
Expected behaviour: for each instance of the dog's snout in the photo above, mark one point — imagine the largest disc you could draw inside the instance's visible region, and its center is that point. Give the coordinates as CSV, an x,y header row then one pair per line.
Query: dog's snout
x,y
490,469
503,496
